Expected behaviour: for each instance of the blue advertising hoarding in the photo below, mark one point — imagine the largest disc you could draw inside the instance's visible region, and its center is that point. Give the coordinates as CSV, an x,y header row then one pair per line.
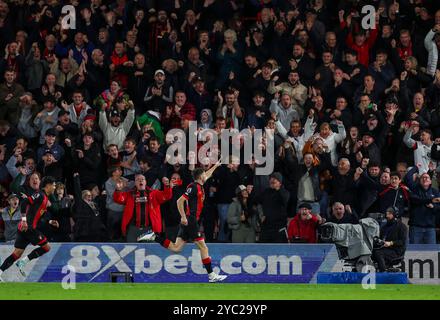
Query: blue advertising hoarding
x,y
244,263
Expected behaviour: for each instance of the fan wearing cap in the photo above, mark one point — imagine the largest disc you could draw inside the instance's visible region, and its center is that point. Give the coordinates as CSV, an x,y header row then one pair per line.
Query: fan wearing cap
x,y
115,131
159,95
10,218
242,217
373,123
90,125
394,234
274,201
50,144
258,111
47,118
49,166
175,112
198,95
369,148
303,227
65,127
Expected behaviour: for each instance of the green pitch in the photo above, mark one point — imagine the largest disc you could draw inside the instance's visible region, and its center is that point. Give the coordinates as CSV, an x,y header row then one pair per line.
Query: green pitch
x,y
194,291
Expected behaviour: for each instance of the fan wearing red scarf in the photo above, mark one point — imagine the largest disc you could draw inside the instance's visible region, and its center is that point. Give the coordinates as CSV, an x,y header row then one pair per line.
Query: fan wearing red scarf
x,y
142,207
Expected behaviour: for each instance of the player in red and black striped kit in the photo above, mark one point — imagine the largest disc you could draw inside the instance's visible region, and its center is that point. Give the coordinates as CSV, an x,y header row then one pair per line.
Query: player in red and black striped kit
x,y
190,205
34,207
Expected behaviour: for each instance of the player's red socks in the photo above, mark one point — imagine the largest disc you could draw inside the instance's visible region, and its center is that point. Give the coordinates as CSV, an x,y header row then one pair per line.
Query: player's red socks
x,y
207,264
166,243
160,239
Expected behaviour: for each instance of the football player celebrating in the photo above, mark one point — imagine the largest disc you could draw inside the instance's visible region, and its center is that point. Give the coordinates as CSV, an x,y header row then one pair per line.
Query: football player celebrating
x,y
34,207
190,205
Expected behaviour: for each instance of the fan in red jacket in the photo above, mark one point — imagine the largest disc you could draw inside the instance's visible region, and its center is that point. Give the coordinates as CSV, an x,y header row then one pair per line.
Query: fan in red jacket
x,y
119,63
360,42
142,207
304,226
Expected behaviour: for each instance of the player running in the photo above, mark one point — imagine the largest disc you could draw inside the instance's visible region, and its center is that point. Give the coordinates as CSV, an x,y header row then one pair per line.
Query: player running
x,y
35,206
190,205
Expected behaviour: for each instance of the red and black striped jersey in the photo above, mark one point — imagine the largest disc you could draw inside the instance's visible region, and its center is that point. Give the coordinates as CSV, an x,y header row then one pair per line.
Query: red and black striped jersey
x,y
34,207
195,195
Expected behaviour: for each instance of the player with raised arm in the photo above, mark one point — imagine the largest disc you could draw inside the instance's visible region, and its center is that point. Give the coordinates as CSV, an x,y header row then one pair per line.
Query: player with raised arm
x,y
190,205
34,207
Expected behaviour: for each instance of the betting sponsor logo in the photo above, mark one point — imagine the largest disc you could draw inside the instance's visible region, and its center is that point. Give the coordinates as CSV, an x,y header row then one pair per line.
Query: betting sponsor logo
x,y
88,259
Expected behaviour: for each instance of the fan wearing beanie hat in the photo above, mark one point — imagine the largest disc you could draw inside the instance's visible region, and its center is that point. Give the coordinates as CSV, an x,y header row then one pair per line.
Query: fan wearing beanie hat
x,y
392,211
302,228
90,117
277,176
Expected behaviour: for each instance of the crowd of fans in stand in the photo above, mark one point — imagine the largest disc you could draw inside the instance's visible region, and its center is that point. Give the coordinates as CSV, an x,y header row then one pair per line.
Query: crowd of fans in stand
x,y
356,113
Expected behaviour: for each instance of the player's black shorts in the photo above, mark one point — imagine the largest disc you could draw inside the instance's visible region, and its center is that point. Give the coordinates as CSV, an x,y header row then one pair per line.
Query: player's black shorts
x,y
190,232
33,236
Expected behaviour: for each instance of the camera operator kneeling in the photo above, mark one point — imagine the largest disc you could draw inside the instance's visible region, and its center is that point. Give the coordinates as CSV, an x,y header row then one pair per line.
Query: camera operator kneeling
x,y
392,241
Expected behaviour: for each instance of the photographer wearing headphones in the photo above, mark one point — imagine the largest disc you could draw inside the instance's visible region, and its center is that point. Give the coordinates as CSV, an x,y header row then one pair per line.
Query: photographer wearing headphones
x,y
392,242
